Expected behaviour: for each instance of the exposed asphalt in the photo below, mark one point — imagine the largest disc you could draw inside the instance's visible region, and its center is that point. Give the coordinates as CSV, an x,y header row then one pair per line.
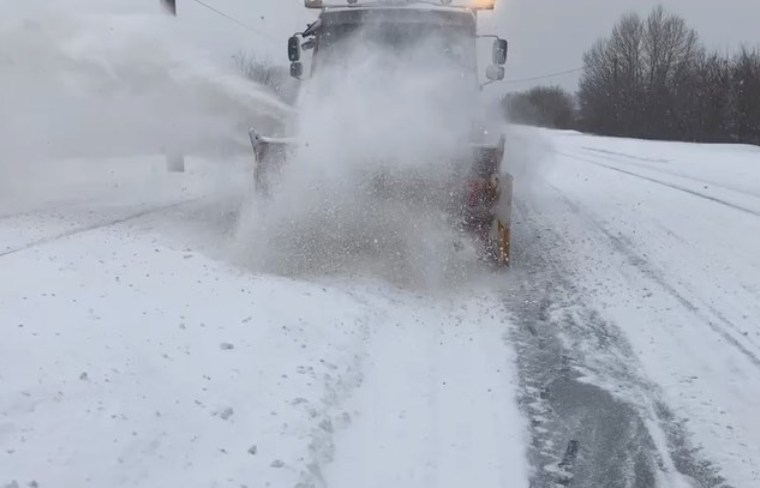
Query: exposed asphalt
x,y
587,433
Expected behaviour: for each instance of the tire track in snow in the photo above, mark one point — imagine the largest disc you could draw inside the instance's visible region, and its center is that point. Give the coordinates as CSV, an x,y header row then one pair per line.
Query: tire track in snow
x,y
641,163
436,408
607,152
54,205
585,434
627,249
582,434
92,227
672,186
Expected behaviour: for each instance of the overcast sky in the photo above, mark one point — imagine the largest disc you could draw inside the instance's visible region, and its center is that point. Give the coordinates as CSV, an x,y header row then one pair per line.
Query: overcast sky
x,y
546,36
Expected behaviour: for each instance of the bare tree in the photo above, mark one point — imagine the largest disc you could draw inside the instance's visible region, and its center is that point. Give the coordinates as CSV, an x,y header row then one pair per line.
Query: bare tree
x,y
625,53
611,87
671,50
643,80
542,106
712,101
652,78
596,94
746,96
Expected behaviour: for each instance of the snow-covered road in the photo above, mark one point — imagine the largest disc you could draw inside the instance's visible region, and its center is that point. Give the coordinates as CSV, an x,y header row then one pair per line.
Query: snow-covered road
x,y
623,349
645,259
138,351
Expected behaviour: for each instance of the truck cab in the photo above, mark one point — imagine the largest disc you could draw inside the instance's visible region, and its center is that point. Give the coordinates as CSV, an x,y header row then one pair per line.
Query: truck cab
x,y
400,25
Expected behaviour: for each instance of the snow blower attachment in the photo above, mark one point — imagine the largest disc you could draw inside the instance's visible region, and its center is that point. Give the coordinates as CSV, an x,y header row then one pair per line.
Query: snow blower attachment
x,y
488,207
480,205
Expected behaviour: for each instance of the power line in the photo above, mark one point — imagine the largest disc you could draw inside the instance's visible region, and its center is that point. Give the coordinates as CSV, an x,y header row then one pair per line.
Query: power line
x,y
271,38
543,77
236,21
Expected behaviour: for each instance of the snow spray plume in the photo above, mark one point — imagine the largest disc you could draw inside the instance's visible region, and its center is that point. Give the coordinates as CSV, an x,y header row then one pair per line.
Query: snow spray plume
x,y
99,78
529,155
382,140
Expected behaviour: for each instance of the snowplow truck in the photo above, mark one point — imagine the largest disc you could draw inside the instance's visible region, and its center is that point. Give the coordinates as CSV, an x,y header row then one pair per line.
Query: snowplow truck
x,y
484,199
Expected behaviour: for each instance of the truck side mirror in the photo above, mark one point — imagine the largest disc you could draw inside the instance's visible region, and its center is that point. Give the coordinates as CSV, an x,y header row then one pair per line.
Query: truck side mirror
x,y
294,49
296,70
500,48
495,73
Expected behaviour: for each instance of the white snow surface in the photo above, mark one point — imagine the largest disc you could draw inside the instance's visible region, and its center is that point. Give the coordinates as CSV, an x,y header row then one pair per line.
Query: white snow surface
x,y
143,345
140,346
138,350
662,237
134,354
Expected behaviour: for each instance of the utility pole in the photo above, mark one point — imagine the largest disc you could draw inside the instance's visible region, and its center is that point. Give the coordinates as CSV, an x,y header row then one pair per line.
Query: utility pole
x,y
170,6
175,160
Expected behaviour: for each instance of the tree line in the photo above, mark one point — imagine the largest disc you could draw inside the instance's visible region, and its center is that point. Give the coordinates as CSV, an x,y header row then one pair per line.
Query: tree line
x,y
652,78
